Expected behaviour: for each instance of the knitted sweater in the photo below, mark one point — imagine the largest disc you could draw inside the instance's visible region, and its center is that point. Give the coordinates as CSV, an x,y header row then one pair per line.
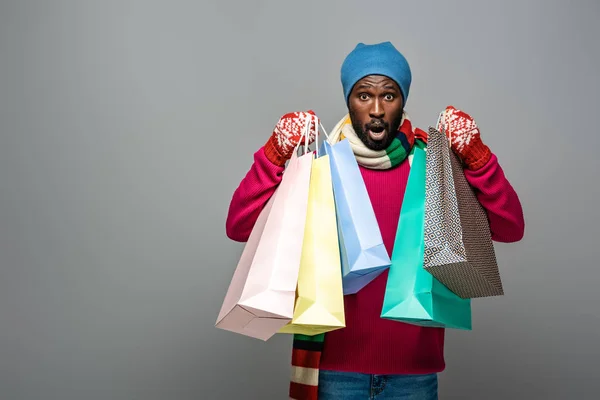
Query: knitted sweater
x,y
369,343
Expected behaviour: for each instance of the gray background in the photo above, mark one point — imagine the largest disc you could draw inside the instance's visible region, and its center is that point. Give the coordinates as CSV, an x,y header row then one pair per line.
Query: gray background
x,y
125,126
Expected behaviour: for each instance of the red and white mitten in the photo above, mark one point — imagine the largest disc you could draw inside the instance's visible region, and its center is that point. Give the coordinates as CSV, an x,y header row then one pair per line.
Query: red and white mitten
x,y
464,136
287,134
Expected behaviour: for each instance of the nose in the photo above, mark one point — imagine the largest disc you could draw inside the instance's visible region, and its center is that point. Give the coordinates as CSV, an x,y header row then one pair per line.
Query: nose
x,y
376,110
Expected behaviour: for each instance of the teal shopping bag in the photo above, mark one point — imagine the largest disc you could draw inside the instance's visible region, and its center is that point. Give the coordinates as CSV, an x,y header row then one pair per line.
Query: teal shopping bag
x,y
412,294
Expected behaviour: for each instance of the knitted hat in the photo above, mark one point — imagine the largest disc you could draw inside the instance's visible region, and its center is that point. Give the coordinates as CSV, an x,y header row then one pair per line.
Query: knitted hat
x,y
376,59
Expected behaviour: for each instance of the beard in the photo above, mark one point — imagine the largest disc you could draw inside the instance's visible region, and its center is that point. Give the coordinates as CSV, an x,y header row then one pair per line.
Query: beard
x,y
362,130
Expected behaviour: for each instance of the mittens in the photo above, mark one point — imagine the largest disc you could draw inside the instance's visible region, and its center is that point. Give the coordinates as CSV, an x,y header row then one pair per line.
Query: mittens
x,y
286,135
464,136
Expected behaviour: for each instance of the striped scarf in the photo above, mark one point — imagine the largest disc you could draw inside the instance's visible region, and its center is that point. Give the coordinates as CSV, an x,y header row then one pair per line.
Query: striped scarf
x,y
306,350
396,152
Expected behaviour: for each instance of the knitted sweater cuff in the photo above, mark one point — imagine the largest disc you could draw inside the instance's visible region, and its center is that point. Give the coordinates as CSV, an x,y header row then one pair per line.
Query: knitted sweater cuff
x,y
476,155
272,151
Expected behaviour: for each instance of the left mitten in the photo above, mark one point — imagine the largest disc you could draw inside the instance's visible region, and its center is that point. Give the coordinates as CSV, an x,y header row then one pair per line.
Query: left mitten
x,y
287,134
464,136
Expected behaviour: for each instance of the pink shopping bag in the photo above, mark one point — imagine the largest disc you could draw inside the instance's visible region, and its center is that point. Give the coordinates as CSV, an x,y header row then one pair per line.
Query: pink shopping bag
x,y
261,296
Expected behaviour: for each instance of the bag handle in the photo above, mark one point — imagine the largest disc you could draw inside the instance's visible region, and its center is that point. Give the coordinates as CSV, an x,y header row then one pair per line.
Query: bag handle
x,y
439,128
438,121
306,134
317,121
324,131
317,139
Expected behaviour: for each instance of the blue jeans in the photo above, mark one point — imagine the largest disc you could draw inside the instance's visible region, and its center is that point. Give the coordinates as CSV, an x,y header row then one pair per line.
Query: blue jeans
x,y
353,386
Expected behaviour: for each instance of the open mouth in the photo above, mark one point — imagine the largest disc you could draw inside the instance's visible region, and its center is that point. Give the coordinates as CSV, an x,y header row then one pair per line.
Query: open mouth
x,y
377,132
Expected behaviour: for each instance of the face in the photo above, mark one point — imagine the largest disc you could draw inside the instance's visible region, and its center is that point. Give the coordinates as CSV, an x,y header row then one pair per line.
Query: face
x,y
375,106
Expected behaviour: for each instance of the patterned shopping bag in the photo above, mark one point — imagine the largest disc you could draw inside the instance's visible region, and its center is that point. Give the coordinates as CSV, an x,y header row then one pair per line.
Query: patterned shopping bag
x,y
459,250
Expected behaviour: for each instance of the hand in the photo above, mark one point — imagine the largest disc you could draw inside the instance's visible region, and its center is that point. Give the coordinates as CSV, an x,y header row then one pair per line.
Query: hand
x,y
287,134
464,137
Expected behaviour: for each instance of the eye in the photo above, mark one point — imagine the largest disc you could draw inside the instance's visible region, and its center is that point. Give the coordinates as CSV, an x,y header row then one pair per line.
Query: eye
x,y
363,96
389,97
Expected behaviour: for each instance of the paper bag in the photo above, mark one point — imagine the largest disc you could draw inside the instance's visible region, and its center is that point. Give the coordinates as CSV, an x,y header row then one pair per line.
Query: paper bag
x,y
320,299
459,250
412,294
363,254
260,299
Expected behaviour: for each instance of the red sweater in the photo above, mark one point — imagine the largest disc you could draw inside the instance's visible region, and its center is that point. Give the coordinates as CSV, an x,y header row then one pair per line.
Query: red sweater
x,y
369,343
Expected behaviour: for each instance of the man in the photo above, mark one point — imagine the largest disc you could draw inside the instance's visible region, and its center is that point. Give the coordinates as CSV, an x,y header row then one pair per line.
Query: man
x,y
376,358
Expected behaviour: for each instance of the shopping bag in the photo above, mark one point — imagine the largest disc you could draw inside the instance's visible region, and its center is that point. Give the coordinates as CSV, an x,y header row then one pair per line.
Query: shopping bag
x,y
412,294
320,299
459,250
363,254
261,296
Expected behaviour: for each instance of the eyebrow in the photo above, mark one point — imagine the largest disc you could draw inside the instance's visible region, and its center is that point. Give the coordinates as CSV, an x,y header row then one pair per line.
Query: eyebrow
x,y
368,86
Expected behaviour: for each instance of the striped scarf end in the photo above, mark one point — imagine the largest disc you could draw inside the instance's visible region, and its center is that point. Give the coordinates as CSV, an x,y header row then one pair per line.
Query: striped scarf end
x,y
299,391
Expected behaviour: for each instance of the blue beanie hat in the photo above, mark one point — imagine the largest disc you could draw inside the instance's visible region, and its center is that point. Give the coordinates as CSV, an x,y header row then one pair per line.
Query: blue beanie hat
x,y
376,59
